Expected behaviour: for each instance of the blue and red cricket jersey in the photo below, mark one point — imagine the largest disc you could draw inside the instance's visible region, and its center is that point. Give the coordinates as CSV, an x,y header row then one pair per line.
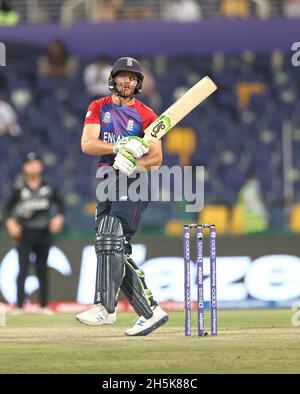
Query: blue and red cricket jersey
x,y
117,121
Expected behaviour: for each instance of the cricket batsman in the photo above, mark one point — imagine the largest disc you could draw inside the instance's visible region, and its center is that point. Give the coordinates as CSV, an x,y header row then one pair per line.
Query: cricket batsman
x,y
113,129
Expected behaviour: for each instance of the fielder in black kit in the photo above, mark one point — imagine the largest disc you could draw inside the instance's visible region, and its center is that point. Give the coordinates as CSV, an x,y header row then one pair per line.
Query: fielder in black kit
x,y
28,215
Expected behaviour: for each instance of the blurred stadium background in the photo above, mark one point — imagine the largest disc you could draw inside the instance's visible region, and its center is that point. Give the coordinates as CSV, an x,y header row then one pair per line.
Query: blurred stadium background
x,y
250,126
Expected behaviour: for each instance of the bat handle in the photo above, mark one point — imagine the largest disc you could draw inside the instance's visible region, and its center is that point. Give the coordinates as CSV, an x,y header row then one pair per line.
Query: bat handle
x,y
148,139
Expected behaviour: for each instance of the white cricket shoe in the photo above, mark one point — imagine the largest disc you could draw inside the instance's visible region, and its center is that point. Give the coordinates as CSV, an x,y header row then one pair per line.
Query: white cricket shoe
x,y
17,312
46,311
97,316
146,326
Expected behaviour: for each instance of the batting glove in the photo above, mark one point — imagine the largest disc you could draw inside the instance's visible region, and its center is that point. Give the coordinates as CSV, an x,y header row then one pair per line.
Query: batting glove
x,y
136,146
125,162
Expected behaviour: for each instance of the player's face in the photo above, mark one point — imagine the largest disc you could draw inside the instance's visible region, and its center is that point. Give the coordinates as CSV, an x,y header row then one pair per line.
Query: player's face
x,y
33,167
126,82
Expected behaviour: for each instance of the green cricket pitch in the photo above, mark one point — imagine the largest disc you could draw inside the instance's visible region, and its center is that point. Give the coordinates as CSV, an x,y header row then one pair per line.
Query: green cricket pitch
x,y
251,341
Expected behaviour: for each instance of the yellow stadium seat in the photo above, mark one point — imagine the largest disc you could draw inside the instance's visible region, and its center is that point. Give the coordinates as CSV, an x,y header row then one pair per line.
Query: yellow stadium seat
x,y
295,218
216,214
237,224
245,90
89,208
235,8
174,227
181,141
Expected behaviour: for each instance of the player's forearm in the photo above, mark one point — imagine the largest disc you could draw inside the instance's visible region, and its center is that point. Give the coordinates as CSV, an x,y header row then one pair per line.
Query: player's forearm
x,y
10,204
96,147
147,162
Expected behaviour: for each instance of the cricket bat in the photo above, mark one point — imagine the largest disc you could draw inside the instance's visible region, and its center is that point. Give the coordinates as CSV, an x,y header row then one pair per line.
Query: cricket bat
x,y
183,106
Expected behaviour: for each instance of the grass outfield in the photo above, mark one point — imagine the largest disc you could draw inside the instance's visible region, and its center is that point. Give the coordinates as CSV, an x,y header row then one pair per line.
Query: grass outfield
x,y
252,341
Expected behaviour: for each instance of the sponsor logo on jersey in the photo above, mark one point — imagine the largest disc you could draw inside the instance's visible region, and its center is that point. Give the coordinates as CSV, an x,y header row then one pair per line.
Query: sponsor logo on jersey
x,y
27,208
88,114
111,138
44,191
107,117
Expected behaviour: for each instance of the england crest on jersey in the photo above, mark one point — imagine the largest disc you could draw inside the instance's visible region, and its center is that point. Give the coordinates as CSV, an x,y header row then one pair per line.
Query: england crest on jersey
x,y
130,125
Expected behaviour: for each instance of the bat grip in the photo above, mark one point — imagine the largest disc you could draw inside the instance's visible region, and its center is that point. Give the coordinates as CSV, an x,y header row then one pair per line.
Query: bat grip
x,y
148,139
